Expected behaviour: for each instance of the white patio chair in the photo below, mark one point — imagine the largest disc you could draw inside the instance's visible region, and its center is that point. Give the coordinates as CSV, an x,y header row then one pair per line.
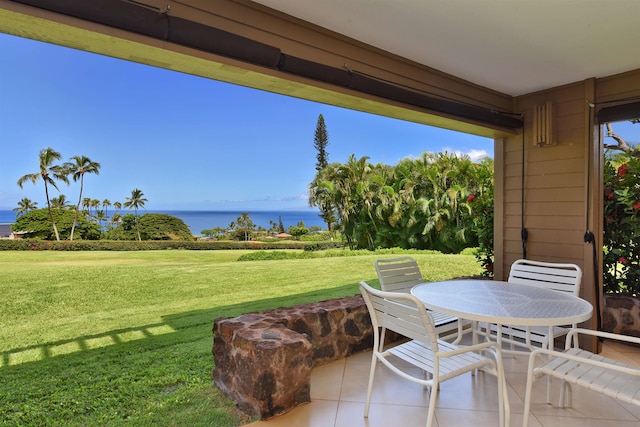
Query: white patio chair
x,y
583,368
400,275
405,314
561,277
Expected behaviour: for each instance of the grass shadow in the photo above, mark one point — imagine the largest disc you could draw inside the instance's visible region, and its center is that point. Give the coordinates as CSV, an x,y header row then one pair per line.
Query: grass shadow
x,y
134,373
172,323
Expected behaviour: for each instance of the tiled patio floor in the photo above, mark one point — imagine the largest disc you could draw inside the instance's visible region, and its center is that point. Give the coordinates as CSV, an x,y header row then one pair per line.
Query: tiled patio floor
x,y
338,393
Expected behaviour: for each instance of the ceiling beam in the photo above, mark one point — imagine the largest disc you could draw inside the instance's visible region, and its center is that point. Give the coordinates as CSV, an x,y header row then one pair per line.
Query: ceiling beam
x,y
259,56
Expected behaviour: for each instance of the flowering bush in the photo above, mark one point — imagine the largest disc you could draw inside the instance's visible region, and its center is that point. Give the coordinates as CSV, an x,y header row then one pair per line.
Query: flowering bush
x,y
622,224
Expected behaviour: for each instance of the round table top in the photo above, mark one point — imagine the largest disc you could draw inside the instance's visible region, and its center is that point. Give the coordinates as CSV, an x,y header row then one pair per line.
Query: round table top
x,y
503,302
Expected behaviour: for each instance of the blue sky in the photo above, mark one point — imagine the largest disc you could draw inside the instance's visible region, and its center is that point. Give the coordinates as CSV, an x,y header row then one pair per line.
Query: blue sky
x,y
186,142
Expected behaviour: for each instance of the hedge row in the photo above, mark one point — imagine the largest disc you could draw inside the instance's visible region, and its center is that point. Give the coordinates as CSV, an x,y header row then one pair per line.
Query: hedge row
x,y
148,245
323,246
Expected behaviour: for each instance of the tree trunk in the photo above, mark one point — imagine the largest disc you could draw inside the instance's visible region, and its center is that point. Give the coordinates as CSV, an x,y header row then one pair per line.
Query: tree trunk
x,y
53,222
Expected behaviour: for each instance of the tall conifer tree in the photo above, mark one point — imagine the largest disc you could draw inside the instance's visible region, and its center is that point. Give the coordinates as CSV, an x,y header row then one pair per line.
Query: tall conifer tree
x,y
320,142
319,196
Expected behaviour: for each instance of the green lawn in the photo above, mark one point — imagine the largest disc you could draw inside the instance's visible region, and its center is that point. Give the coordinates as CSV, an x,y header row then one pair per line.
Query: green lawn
x,y
111,338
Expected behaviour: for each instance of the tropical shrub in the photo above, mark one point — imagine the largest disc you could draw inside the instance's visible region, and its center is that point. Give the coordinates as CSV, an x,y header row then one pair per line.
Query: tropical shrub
x,y
276,255
37,224
482,208
152,227
418,204
621,241
164,227
134,245
321,246
320,236
298,230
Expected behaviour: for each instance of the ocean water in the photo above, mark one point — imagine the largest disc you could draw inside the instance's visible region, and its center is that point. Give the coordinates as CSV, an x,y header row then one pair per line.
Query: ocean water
x,y
202,220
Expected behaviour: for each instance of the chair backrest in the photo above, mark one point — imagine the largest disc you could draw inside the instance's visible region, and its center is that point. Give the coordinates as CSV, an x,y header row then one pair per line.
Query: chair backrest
x,y
399,312
398,274
555,276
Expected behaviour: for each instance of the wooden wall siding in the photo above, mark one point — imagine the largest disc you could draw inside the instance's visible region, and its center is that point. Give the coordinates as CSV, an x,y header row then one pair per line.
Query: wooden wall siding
x,y
554,180
619,86
566,150
544,234
559,223
546,195
556,193
555,176
552,252
545,209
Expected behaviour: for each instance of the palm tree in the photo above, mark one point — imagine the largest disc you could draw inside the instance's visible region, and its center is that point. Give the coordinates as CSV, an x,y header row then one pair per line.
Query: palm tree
x,y
116,218
245,224
105,204
24,206
117,205
78,166
136,201
49,173
86,205
320,196
60,202
95,203
352,191
100,216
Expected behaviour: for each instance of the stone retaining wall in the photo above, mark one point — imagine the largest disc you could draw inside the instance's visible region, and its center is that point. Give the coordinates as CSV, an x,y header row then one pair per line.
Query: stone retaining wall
x,y
263,360
621,315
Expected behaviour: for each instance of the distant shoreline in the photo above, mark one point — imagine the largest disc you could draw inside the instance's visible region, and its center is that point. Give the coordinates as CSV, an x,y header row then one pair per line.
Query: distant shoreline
x,y
198,220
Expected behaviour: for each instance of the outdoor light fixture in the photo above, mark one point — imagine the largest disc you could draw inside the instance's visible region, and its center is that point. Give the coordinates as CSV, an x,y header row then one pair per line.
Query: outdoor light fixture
x,y
543,126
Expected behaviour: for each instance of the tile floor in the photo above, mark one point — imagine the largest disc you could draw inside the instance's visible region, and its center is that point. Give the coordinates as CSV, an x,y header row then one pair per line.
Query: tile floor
x,y
338,393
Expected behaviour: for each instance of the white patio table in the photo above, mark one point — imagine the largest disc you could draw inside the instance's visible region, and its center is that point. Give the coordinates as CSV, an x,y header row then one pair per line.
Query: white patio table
x,y
503,303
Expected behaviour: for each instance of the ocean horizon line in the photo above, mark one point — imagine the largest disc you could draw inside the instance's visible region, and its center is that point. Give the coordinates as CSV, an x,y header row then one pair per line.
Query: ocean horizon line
x,y
227,210
198,220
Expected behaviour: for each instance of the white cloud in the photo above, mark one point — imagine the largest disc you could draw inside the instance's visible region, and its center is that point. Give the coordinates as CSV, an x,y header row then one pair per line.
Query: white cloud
x,y
474,155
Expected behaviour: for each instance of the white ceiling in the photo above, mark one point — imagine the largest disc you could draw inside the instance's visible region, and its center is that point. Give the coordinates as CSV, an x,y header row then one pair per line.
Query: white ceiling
x,y
512,46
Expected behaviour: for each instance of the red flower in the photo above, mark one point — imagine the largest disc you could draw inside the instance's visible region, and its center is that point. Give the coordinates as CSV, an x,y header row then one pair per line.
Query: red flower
x,y
489,267
611,196
636,206
609,218
622,169
470,198
622,260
